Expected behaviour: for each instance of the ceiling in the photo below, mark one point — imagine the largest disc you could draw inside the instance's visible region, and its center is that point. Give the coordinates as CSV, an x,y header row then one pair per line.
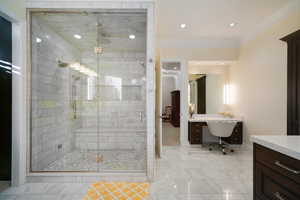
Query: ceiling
x,y
207,24
108,30
211,18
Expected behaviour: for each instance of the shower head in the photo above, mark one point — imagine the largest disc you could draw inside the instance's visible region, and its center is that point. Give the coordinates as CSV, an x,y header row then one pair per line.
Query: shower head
x,y
62,64
76,78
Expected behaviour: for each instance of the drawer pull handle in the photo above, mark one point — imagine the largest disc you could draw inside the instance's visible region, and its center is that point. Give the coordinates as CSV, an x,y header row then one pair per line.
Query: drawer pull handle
x,y
279,196
286,167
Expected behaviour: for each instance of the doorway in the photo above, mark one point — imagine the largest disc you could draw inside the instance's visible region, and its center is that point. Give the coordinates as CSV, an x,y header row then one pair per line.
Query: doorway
x,y
88,96
170,103
6,98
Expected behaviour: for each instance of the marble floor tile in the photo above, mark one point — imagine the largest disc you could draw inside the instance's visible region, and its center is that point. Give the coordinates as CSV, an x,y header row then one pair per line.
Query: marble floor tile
x,y
37,197
4,185
170,134
7,197
212,197
183,173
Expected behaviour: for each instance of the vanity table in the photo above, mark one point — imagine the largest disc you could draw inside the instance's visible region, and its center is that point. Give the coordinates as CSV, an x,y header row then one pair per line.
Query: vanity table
x,y
196,133
276,167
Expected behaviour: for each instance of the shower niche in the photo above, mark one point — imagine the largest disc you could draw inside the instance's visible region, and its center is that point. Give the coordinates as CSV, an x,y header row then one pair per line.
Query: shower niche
x,y
88,91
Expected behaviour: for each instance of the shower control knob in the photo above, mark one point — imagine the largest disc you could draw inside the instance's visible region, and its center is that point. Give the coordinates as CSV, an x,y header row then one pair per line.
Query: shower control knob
x,y
150,60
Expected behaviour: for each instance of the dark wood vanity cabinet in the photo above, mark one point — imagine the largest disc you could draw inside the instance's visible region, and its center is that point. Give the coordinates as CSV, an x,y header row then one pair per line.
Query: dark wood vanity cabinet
x,y
195,133
237,135
276,176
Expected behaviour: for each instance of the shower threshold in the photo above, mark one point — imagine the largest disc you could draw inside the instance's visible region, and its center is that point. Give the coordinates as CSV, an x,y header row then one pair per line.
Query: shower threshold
x,y
95,161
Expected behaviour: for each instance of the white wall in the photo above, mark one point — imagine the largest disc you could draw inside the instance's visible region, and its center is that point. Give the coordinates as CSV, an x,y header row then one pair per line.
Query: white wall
x,y
259,78
168,85
15,8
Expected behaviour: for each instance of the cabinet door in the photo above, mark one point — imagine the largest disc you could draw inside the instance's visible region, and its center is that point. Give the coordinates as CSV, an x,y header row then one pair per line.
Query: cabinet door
x,y
236,136
296,64
293,83
195,132
273,186
292,112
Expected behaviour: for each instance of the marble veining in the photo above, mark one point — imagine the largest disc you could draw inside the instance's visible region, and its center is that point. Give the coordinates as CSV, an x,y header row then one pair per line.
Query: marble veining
x,y
183,173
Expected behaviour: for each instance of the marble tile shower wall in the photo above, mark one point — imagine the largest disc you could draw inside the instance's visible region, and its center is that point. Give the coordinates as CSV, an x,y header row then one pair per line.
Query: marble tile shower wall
x,y
52,115
116,119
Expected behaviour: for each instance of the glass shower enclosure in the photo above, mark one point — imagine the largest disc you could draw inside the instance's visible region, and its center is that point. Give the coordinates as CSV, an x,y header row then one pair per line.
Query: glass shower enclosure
x,y
88,91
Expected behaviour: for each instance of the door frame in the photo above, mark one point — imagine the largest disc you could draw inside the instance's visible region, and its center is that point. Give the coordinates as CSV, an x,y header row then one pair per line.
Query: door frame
x,y
18,162
149,6
183,101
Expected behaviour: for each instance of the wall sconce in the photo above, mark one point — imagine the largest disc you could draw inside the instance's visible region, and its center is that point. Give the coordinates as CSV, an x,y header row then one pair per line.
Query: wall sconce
x,y
226,94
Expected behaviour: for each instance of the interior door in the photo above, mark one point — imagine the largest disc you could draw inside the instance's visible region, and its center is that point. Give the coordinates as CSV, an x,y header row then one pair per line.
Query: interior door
x,y
6,98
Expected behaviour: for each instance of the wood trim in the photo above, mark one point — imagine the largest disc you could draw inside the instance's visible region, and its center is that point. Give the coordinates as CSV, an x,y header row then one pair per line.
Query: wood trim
x,y
292,36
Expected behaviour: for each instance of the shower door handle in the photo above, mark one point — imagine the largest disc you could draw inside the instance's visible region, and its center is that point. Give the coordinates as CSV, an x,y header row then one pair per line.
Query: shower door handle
x,y
141,116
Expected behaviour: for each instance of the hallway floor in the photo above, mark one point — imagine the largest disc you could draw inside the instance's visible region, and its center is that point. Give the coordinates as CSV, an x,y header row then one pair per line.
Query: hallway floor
x,y
170,134
183,173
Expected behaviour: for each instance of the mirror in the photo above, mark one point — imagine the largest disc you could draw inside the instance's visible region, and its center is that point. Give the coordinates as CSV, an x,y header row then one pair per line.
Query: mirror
x,y
206,92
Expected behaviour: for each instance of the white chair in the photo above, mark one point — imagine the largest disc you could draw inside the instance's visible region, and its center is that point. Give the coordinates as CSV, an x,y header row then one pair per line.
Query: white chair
x,y
221,129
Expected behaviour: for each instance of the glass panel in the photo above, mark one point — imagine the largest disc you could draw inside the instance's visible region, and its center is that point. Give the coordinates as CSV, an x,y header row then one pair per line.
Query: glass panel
x,y
88,91
122,91
64,104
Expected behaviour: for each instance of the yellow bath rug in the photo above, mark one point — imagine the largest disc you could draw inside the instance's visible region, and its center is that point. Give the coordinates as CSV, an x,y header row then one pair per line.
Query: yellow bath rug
x,y
117,191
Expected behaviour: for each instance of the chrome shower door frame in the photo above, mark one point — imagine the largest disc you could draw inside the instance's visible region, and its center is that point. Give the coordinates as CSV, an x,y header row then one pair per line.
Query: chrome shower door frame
x,y
69,6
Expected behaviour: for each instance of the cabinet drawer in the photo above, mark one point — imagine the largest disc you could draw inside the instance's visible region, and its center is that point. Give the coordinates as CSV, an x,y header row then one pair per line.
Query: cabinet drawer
x,y
196,137
273,186
283,164
196,131
197,124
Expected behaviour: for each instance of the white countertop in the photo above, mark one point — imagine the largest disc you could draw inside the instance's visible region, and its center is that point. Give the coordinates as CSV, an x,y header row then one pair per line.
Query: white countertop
x,y
288,145
204,119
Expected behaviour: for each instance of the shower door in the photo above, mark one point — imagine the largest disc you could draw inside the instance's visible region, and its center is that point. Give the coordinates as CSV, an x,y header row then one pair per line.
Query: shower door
x,y
122,91
88,91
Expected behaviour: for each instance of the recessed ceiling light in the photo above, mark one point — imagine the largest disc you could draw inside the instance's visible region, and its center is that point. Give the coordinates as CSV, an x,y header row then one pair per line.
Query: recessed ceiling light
x,y
182,25
77,36
175,67
132,37
232,24
38,40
